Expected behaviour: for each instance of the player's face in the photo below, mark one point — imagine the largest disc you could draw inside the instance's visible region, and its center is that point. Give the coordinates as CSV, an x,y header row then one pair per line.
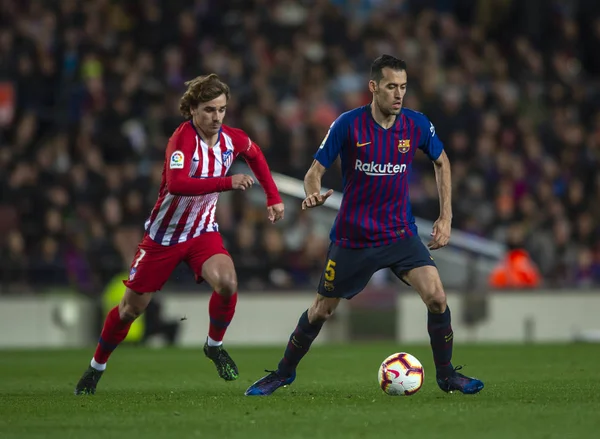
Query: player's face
x,y
389,93
208,116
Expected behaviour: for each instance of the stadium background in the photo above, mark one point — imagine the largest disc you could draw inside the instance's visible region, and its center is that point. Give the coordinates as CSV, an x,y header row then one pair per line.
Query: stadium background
x,y
90,92
88,98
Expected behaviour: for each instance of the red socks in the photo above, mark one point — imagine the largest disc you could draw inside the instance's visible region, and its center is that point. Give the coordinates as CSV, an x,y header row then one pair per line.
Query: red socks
x,y
220,311
113,333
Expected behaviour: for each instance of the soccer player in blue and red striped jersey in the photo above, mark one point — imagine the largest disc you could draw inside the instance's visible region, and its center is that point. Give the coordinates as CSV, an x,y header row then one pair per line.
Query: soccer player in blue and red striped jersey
x,y
375,227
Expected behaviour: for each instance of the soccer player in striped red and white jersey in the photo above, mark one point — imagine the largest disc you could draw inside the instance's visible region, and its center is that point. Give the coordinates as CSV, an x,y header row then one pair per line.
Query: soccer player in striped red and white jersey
x,y
182,225
375,227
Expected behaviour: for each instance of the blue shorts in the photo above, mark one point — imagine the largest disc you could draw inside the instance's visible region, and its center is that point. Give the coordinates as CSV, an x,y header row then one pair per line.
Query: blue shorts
x,y
348,270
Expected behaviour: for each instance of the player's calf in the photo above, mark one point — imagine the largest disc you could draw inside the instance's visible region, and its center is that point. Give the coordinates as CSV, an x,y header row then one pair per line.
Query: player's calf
x,y
441,338
297,347
221,309
307,330
427,282
219,272
115,329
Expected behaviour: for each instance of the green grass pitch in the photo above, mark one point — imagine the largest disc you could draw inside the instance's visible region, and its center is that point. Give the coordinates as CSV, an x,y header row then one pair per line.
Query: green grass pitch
x,y
533,392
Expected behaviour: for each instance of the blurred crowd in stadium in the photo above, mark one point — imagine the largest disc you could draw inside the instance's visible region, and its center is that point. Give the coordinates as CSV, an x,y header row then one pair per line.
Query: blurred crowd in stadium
x,y
89,95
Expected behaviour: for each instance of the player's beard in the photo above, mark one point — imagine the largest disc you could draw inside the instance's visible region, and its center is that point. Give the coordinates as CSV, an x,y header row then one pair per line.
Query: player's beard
x,y
391,111
388,109
395,111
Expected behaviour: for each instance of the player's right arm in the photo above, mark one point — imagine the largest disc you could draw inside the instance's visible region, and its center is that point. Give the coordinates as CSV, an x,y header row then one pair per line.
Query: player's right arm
x,y
179,157
312,186
325,156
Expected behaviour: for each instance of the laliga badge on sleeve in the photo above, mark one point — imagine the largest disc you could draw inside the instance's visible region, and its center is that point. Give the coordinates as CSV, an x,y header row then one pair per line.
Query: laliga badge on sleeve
x,y
176,161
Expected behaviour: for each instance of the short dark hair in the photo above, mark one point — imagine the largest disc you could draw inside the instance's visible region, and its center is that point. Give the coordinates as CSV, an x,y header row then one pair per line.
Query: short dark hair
x,y
385,61
199,90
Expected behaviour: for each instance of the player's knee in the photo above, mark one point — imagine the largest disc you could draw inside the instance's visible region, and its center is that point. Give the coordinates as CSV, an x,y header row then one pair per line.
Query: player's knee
x,y
128,312
320,312
226,285
133,305
436,301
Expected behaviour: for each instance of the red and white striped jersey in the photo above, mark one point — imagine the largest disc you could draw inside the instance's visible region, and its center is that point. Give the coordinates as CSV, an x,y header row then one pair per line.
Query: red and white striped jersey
x,y
177,218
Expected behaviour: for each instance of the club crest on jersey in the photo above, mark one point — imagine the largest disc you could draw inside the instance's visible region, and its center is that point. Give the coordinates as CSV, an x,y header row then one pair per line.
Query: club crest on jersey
x,y
176,161
404,145
226,155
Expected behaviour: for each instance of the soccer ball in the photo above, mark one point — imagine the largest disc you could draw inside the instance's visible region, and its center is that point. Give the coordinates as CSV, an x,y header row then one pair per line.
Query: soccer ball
x,y
400,374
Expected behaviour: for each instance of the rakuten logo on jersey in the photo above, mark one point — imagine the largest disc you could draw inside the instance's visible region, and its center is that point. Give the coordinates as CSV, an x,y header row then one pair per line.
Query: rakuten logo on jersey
x,y
379,169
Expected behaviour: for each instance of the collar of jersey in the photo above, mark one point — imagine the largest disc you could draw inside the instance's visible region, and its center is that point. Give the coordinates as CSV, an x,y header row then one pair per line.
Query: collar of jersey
x,y
200,137
369,110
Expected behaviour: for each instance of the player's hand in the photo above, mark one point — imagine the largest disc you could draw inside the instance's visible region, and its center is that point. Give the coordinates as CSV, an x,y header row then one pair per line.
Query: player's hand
x,y
275,212
440,234
241,182
316,199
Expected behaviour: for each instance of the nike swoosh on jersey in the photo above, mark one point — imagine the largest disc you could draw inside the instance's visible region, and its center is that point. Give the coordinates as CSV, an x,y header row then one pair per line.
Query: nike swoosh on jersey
x,y
358,145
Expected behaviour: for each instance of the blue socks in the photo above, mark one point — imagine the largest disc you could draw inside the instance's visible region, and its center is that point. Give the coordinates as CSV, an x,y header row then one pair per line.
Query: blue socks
x,y
441,338
299,344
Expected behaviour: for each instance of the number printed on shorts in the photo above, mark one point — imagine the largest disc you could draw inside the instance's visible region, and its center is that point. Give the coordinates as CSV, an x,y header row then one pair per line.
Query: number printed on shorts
x,y
139,258
330,271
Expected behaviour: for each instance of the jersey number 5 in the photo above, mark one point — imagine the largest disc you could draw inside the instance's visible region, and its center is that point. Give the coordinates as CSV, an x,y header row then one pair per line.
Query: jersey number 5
x,y
330,271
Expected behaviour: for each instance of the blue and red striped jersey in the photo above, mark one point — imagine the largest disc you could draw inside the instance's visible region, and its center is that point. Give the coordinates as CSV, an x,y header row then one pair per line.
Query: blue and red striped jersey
x,y
376,165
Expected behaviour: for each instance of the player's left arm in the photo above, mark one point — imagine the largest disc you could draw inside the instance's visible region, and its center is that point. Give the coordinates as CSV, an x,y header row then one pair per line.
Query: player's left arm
x,y
443,177
434,148
258,163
